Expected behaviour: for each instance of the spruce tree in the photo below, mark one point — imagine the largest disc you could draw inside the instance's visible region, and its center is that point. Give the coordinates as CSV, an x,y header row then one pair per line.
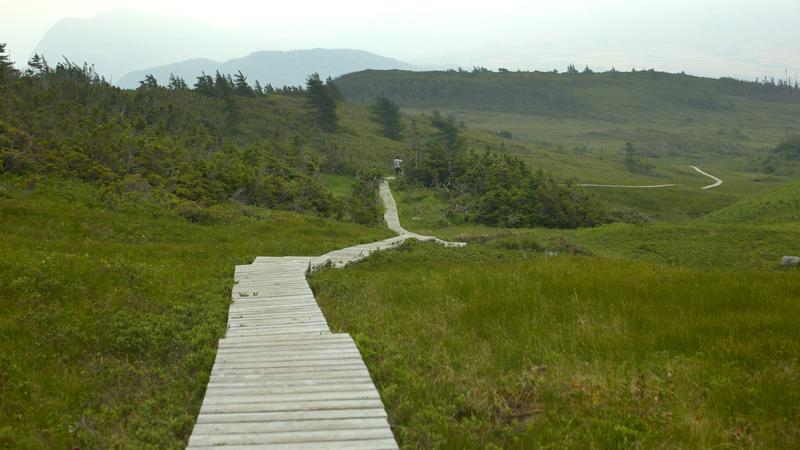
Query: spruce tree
x,y
322,104
204,85
176,83
37,65
334,90
148,83
240,85
7,70
221,85
447,131
387,115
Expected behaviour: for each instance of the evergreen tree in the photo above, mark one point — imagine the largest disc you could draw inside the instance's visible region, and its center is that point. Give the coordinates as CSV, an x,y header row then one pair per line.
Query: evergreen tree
x,y
7,70
148,83
232,113
587,70
387,115
572,70
221,86
37,65
322,104
633,163
334,90
448,131
241,87
258,89
176,83
204,85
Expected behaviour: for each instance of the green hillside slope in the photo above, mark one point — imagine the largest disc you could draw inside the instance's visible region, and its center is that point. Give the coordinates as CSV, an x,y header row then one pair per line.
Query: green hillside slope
x,y
610,96
578,126
781,205
483,348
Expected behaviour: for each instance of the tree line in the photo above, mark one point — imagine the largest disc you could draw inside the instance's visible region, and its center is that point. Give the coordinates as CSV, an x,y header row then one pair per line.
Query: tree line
x,y
188,148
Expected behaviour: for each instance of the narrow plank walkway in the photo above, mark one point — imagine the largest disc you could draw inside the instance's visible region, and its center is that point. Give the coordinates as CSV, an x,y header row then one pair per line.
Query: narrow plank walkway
x,y
281,379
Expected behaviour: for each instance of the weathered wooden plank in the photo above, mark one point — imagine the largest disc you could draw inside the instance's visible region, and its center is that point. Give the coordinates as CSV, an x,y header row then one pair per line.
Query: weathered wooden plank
x,y
272,352
225,391
361,444
292,436
269,307
282,416
293,340
285,372
345,360
277,329
275,343
325,376
269,322
290,425
278,300
296,312
277,315
291,406
277,359
291,397
289,383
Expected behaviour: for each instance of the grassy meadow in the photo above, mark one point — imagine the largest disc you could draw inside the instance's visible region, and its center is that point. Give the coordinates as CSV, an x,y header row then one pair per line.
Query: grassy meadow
x,y
484,347
113,305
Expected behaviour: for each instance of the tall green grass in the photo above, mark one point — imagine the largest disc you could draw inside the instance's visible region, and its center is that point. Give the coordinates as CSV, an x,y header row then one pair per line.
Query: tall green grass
x,y
112,307
482,348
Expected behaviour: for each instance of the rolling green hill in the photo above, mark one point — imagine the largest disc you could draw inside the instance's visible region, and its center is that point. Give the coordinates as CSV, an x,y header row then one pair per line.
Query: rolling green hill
x,y
610,96
577,126
781,205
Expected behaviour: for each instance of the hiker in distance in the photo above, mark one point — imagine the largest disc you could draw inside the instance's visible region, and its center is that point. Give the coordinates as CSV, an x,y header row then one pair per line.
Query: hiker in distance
x,y
397,162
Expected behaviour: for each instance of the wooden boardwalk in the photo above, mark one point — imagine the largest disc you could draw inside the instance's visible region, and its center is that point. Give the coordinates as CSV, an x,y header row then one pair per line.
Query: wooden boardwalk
x,y
281,379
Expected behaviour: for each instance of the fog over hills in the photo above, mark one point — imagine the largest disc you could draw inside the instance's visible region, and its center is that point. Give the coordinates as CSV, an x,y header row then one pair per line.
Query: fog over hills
x,y
276,67
125,45
121,41
747,40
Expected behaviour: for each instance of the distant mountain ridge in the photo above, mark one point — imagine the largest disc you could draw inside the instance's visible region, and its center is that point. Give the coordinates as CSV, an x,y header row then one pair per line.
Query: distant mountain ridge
x,y
276,67
126,45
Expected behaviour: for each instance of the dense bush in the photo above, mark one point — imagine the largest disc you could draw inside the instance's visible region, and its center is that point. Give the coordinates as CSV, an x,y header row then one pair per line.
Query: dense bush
x,y
498,189
501,190
783,156
69,121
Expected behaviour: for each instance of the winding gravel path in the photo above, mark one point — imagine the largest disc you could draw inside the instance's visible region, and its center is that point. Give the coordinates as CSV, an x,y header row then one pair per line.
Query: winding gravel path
x,y
626,186
717,181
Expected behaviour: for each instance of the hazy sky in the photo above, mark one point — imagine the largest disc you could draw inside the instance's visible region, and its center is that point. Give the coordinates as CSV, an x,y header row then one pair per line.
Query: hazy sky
x,y
742,38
